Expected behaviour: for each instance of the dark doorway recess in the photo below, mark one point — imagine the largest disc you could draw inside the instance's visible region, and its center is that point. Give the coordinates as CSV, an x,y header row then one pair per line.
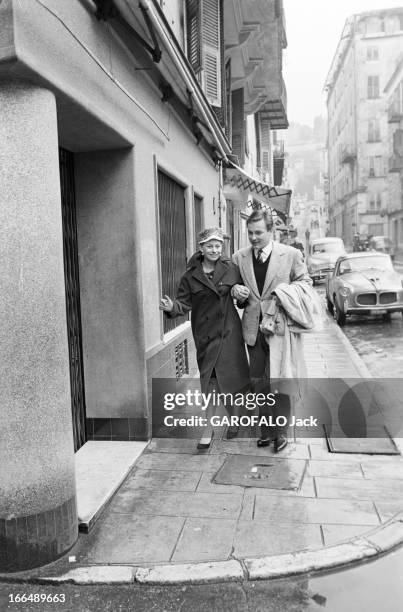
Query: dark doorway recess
x,y
72,283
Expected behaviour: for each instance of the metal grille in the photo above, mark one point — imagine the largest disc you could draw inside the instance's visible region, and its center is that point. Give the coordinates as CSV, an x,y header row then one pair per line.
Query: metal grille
x,y
387,298
72,284
171,198
366,299
181,359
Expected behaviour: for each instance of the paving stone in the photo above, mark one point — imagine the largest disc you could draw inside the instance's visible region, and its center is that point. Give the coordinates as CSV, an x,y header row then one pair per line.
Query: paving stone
x,y
353,488
173,445
387,538
379,470
176,461
335,469
164,480
307,490
334,534
132,539
207,486
312,510
388,509
259,538
248,505
205,540
170,503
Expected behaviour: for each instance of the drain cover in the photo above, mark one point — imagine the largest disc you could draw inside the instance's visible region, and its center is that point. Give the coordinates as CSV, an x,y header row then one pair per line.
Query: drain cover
x,y
248,471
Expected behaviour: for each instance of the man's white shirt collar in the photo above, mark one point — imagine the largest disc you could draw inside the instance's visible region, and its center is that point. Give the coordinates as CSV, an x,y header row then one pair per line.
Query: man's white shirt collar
x,y
266,251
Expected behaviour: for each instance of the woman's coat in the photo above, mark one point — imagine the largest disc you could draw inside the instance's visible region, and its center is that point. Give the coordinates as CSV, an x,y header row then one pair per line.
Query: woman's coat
x,y
216,325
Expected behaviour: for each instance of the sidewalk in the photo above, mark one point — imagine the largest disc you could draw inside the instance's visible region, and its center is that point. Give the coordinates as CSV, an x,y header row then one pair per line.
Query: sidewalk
x,y
169,523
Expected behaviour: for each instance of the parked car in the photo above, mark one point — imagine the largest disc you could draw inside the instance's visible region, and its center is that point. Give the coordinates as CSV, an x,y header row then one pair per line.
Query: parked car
x,y
383,244
322,256
364,283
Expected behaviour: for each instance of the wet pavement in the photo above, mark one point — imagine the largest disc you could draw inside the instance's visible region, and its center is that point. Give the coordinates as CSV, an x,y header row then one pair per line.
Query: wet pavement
x,y
367,588
379,343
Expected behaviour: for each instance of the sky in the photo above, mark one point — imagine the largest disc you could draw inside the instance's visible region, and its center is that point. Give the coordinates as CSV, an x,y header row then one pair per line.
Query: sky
x,y
313,31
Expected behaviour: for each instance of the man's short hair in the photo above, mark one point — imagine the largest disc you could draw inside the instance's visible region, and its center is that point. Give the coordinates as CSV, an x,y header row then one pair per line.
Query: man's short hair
x,y
259,215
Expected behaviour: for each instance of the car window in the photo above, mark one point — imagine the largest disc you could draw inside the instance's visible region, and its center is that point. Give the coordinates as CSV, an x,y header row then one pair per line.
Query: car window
x,y
328,247
360,264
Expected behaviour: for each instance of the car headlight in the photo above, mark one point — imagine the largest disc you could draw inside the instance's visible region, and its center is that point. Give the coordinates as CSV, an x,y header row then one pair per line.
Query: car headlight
x,y
344,291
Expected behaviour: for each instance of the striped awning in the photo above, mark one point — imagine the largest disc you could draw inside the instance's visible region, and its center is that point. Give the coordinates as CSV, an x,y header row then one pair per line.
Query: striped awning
x,y
238,184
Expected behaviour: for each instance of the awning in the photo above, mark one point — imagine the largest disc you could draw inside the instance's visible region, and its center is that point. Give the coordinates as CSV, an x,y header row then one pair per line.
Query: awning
x,y
237,183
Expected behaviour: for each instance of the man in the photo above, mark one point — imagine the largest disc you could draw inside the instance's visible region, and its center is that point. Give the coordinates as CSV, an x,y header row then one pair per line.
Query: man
x,y
263,266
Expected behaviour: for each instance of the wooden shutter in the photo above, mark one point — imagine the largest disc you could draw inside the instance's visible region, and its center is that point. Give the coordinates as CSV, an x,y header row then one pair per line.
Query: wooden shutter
x,y
193,27
211,50
204,45
238,125
265,143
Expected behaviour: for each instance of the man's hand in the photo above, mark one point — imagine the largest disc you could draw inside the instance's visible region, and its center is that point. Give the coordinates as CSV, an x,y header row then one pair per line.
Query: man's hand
x,y
166,304
240,293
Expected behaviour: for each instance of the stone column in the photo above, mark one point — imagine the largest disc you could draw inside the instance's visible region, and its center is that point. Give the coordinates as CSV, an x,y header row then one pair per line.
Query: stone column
x,y
38,516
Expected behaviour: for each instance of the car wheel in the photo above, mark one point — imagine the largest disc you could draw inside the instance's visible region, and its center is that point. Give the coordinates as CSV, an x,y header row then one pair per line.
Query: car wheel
x,y
329,305
313,282
387,317
339,316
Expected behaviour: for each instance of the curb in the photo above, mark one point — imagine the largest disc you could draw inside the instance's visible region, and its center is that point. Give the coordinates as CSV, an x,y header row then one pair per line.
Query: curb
x,y
355,357
364,548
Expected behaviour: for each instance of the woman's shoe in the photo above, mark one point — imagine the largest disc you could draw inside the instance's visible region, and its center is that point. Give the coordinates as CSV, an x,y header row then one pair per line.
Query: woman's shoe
x,y
280,443
263,442
205,442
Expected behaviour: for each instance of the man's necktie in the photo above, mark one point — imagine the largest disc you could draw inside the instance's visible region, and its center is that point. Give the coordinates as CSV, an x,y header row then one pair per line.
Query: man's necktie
x,y
259,257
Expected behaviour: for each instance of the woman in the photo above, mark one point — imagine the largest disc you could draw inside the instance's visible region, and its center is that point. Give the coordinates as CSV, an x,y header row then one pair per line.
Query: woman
x,y
205,290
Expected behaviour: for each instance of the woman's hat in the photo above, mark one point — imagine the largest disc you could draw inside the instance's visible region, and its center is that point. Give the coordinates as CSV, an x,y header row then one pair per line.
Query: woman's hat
x,y
210,233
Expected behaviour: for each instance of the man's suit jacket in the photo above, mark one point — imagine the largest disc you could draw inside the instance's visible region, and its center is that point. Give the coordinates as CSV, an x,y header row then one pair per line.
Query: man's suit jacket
x,y
285,266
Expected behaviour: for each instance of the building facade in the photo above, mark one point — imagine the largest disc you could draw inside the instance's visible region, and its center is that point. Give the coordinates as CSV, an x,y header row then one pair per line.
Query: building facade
x,y
116,123
357,106
394,93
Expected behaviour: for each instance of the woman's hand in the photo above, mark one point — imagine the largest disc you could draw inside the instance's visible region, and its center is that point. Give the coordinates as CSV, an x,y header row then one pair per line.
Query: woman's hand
x,y
240,293
166,304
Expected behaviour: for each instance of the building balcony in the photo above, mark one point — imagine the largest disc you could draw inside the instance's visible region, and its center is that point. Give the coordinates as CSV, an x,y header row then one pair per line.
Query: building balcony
x,y
275,109
254,37
396,163
348,155
395,113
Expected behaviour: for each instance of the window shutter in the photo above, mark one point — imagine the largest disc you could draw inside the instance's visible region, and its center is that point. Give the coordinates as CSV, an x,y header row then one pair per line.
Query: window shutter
x,y
211,50
193,26
204,45
238,125
265,139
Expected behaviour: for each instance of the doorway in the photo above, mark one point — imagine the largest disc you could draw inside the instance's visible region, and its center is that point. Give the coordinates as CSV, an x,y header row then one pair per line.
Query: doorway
x,y
73,308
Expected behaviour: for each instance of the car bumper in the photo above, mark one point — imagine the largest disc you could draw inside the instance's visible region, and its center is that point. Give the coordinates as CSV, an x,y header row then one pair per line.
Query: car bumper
x,y
320,274
374,310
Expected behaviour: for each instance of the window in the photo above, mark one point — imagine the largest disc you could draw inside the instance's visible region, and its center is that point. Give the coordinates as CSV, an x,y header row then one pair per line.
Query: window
x,y
373,87
204,45
372,53
400,21
375,201
171,199
376,165
373,130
